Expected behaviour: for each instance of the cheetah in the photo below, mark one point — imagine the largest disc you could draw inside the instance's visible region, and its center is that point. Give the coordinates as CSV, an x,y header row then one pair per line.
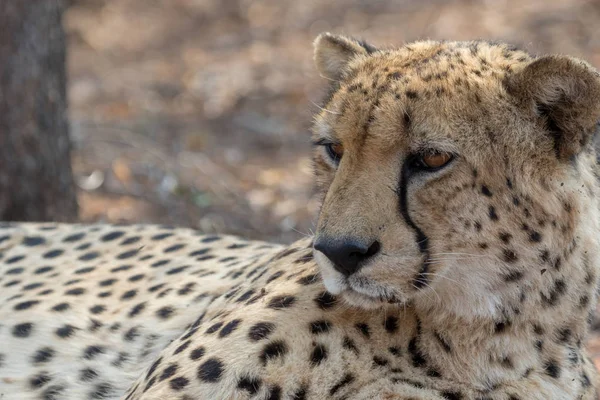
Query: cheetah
x,y
455,255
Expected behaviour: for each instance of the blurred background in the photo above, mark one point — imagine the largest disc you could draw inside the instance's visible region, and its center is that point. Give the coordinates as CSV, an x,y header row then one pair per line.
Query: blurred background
x,y
197,112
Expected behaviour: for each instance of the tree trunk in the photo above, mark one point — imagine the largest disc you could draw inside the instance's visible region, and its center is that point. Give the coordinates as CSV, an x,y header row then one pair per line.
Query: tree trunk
x,y
36,182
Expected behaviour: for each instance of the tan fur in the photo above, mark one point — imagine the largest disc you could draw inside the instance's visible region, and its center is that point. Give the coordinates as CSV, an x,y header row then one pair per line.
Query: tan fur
x,y
481,288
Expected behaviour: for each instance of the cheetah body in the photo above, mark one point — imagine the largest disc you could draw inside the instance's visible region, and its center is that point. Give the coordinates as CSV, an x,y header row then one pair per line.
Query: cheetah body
x,y
479,286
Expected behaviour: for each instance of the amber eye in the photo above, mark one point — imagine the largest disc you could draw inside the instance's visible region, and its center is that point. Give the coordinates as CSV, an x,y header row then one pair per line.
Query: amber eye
x,y
433,161
335,151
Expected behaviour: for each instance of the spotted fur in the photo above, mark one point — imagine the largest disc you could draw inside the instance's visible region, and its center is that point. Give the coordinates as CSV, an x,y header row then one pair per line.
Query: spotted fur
x,y
480,286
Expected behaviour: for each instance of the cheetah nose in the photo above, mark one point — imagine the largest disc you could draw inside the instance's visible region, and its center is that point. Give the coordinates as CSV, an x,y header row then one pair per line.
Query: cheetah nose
x,y
347,254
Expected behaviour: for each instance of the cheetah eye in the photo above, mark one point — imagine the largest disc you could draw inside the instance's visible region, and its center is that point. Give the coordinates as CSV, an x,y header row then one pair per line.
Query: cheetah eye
x,y
335,151
432,161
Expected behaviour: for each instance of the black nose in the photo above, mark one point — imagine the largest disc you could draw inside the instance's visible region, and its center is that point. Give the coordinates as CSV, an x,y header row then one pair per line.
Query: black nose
x,y
347,254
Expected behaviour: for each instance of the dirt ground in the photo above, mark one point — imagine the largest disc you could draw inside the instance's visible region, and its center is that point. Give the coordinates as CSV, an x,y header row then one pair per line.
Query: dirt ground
x,y
197,112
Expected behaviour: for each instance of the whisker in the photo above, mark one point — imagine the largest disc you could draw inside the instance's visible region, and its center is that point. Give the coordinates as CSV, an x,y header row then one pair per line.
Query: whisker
x,y
324,109
461,284
329,79
434,292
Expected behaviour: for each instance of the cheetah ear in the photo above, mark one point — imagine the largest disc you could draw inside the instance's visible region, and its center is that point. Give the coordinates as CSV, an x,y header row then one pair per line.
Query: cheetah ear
x,y
565,92
334,52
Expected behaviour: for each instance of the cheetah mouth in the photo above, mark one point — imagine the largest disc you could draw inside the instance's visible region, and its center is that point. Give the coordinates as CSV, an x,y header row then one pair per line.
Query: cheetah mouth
x,y
369,291
362,293
356,290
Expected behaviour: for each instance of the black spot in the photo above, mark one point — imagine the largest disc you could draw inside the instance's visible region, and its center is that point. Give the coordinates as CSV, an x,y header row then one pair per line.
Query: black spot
x,y
252,385
33,240
452,396
304,259
309,279
349,344
130,240
135,278
210,239
129,294
558,290
97,309
106,282
552,369
280,302
75,292
443,342
492,213
14,259
182,347
396,351
214,327
364,329
509,256
200,252
245,296
391,324
321,326
564,335
53,253
178,383
211,370
500,327
84,270
505,237
74,238
43,355
128,254
274,276
136,310
22,330
418,359
197,353
585,380
261,330
65,331
52,392
89,256
43,270
380,361
131,334
61,307
273,350
325,300
274,393
88,374
101,391
168,372
230,327
411,94
300,394
25,305
165,312
173,248
319,354
161,236
153,367
92,351
347,379
38,381
535,237
486,191
513,276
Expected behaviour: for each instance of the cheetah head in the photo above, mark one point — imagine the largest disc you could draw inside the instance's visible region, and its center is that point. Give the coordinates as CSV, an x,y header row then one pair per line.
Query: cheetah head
x,y
450,170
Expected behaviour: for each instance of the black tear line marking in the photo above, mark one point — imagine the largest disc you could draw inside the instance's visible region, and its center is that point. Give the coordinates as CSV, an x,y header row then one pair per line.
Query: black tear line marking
x,y
422,240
